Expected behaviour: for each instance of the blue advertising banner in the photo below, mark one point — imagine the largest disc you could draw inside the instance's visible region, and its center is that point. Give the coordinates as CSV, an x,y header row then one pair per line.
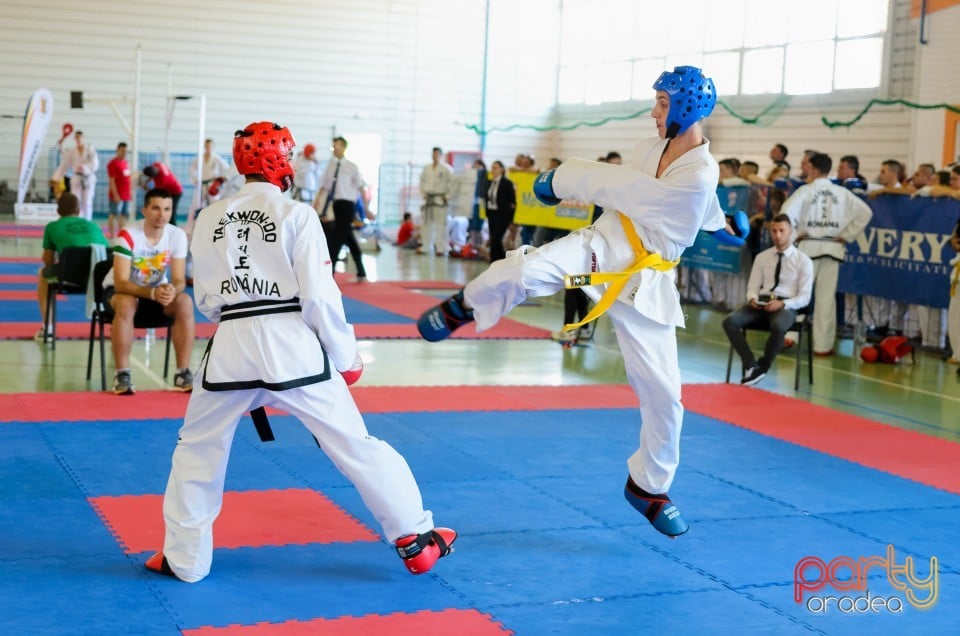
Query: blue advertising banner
x,y
708,253
904,253
733,198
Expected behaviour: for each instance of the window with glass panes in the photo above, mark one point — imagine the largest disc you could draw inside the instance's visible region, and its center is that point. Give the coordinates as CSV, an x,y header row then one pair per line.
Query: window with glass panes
x,y
613,50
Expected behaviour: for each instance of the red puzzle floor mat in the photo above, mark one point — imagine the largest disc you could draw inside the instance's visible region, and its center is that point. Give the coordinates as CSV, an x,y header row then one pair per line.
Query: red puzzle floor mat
x,y
247,520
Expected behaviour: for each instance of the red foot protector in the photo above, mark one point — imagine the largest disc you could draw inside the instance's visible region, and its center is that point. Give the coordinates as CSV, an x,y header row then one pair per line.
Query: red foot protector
x,y
247,520
462,622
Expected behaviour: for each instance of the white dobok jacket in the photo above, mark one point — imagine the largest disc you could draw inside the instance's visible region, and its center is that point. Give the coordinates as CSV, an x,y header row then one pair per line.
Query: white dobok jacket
x,y
825,212
263,271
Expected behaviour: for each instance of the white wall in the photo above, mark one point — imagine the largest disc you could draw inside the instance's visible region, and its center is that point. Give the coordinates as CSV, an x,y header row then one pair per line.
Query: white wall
x,y
937,82
410,71
885,132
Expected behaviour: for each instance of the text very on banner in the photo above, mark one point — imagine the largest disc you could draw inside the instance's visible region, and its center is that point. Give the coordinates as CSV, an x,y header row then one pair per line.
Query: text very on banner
x,y
904,252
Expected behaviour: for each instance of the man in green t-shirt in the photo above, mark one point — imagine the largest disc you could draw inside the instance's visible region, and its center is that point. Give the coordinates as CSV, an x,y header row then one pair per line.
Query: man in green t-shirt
x,y
70,230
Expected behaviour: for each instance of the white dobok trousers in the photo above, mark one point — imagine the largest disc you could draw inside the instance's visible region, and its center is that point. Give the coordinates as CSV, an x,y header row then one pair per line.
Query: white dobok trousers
x,y
194,491
649,348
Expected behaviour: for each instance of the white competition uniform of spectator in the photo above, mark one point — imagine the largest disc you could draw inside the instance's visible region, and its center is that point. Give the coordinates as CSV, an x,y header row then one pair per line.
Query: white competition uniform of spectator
x,y
83,183
306,178
435,186
463,189
214,167
825,212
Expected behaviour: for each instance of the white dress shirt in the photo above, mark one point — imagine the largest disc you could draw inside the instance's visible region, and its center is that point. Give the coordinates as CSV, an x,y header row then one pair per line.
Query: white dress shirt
x,y
492,194
349,182
796,277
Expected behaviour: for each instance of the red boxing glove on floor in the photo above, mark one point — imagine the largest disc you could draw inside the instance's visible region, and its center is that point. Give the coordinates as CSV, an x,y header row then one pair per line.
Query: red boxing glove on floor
x,y
353,374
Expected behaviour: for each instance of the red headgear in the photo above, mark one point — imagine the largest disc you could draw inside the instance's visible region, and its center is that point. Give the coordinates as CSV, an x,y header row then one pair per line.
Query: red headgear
x,y
308,150
264,148
869,354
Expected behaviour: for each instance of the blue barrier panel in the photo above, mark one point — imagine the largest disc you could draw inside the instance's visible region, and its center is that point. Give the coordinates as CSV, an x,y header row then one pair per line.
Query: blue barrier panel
x,y
733,198
708,253
904,253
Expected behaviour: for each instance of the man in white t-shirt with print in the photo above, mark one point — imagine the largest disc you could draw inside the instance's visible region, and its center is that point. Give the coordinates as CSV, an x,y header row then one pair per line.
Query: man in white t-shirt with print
x,y
149,265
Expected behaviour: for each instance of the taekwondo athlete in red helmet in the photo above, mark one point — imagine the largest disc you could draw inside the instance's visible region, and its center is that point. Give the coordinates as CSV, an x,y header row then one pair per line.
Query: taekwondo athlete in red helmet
x,y
625,262
262,273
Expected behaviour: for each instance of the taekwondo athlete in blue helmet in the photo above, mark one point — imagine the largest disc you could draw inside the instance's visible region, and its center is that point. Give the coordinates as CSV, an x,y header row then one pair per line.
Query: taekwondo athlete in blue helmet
x,y
626,262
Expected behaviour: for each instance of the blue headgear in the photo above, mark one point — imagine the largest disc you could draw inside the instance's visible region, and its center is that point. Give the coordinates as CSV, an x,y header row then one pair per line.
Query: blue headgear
x,y
692,97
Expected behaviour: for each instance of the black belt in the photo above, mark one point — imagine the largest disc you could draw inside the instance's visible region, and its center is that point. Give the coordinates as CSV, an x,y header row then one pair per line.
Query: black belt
x,y
248,310
262,424
259,308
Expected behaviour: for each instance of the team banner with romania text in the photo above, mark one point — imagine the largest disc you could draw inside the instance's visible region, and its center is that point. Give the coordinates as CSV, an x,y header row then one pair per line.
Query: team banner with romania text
x,y
569,215
904,253
35,123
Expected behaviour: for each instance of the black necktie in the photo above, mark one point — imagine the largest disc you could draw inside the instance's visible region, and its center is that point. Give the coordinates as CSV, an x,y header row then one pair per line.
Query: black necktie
x,y
336,174
333,188
776,272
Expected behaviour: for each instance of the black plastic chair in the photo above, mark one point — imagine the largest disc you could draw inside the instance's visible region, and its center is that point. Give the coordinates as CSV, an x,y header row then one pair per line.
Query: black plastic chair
x,y
803,326
73,278
149,316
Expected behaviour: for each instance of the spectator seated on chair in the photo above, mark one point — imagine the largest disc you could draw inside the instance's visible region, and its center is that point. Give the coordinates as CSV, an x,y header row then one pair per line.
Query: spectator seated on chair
x,y
70,230
149,315
781,282
149,265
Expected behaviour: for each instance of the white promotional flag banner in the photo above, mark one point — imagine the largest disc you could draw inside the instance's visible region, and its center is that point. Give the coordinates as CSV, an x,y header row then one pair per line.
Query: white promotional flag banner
x,y
35,123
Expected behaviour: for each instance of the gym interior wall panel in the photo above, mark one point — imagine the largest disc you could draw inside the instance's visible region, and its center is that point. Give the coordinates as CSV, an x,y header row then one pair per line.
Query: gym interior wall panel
x,y
937,83
904,36
591,142
883,133
410,71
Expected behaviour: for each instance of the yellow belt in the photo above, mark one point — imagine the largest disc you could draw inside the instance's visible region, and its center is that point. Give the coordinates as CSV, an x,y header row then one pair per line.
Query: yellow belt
x,y
954,279
616,281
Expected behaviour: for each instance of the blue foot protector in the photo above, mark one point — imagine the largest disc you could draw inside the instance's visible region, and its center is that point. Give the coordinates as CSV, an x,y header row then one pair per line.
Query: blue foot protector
x,y
662,513
437,323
